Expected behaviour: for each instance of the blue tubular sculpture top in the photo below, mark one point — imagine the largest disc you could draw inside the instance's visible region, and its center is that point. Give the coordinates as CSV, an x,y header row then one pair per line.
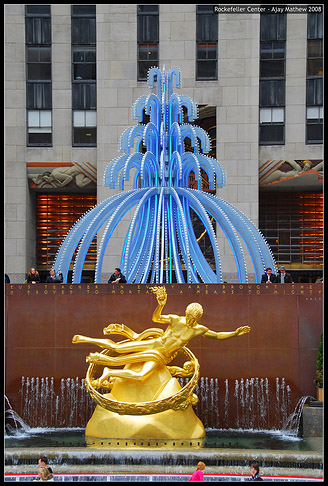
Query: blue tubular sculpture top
x,y
160,244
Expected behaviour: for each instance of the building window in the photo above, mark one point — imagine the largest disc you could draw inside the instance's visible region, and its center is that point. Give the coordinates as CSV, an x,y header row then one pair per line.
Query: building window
x,y
272,58
292,223
148,39
39,127
272,124
206,43
38,96
84,24
84,63
315,57
272,79
56,214
84,87
85,127
272,112
314,79
38,63
37,25
38,75
84,96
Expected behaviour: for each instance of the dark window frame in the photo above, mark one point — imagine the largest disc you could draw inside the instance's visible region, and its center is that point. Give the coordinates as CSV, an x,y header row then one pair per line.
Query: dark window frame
x,y
76,64
38,56
152,58
79,131
84,96
271,58
38,95
314,131
278,102
37,10
83,22
87,26
272,76
84,10
273,27
314,26
32,64
79,136
38,34
147,35
277,95
41,138
207,28
314,78
272,128
84,90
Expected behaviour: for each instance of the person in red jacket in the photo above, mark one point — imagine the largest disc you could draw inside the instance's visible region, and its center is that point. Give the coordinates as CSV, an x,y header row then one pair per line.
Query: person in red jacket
x,y
198,475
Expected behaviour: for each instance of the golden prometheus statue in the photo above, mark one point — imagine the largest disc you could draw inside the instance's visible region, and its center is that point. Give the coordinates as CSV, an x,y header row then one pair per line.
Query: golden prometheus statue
x,y
145,400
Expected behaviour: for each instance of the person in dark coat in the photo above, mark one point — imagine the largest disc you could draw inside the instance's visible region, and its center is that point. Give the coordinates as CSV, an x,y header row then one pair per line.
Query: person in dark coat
x,y
283,276
53,278
33,276
117,277
268,276
255,470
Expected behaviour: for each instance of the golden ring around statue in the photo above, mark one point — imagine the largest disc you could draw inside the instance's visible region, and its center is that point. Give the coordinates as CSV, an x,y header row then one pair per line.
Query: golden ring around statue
x,y
179,401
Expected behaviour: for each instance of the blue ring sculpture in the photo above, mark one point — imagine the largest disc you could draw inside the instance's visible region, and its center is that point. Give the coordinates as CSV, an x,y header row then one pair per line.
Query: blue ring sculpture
x,y
160,244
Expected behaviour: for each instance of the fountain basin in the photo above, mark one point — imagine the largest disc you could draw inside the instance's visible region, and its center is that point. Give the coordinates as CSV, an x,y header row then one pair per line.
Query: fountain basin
x,y
125,477
222,451
155,461
215,439
160,457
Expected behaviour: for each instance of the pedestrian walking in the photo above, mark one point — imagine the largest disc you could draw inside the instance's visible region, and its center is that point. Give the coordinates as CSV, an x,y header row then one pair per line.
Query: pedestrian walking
x,y
198,475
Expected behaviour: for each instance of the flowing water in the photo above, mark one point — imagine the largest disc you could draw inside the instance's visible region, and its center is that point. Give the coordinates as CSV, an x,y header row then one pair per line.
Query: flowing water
x,y
251,403
236,415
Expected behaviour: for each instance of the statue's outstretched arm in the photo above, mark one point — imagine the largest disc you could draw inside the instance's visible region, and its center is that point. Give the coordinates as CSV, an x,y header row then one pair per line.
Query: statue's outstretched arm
x,y
227,335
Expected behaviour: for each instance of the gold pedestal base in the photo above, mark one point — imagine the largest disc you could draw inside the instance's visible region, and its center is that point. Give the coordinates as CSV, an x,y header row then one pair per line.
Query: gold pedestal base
x,y
170,424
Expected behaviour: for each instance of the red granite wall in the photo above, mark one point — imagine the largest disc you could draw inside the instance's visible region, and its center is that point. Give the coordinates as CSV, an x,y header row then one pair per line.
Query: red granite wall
x,y
285,319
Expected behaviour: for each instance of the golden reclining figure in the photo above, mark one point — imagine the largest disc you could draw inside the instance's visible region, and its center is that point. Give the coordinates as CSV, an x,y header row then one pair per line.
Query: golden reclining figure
x,y
152,346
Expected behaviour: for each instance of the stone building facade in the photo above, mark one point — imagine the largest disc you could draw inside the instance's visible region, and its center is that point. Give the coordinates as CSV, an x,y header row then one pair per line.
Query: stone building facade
x,y
234,99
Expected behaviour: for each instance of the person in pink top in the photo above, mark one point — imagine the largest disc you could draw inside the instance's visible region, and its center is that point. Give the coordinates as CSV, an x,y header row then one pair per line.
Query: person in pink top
x,y
198,474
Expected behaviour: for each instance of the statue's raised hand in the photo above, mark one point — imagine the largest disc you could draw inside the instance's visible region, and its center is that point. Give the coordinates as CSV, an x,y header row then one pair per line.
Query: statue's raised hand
x,y
160,293
242,330
113,328
120,329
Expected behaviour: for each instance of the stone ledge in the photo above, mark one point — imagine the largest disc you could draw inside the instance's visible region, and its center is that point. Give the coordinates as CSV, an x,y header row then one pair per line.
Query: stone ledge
x,y
312,422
